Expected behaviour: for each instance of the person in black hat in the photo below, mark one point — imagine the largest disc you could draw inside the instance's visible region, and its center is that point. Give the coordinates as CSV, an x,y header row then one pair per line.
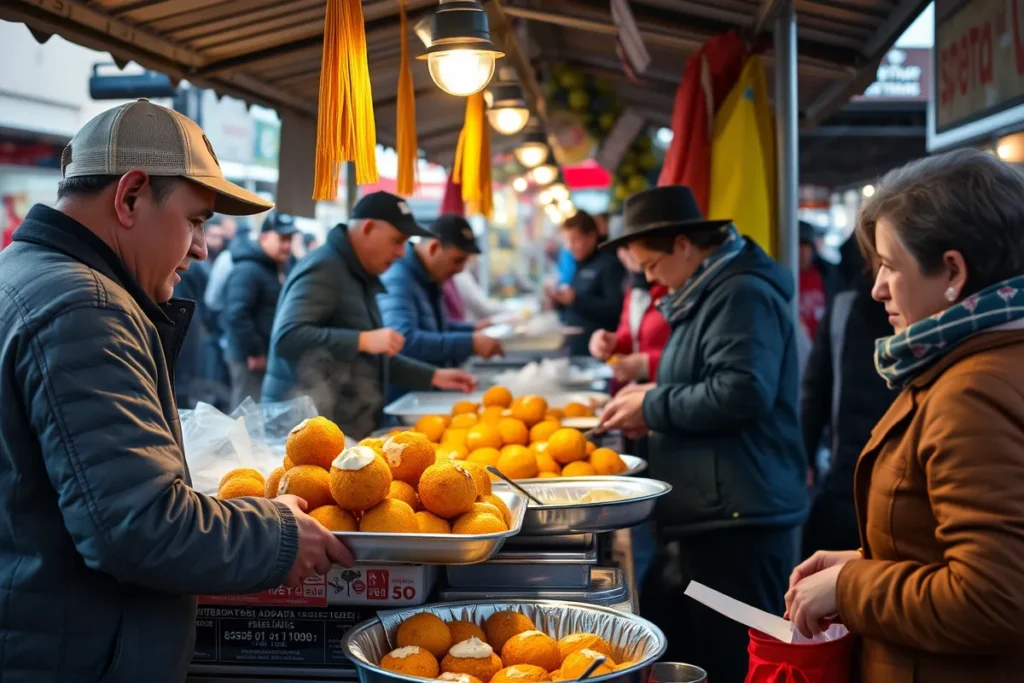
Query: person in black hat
x,y
593,300
250,300
329,340
820,281
723,421
412,304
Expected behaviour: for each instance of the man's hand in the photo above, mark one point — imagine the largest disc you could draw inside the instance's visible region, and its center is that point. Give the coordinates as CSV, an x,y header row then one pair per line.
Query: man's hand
x,y
382,342
256,364
454,380
626,412
565,295
603,344
486,347
631,367
318,547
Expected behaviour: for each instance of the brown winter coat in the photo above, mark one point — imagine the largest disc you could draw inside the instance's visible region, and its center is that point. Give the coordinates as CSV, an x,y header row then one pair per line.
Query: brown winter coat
x,y
940,502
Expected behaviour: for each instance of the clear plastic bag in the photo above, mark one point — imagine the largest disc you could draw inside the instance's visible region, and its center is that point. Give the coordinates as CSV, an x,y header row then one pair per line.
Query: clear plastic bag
x,y
252,436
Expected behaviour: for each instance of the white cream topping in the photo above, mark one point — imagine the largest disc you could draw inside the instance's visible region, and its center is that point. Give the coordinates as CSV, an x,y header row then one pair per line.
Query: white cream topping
x,y
474,648
458,678
299,427
393,452
516,672
591,654
403,652
355,458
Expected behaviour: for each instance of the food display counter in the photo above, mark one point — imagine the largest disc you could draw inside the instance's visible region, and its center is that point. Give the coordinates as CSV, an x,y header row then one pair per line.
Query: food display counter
x,y
548,557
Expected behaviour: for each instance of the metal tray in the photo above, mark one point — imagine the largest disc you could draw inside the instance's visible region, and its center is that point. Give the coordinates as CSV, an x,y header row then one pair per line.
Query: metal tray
x,y
447,549
607,587
416,404
574,542
641,496
521,569
632,638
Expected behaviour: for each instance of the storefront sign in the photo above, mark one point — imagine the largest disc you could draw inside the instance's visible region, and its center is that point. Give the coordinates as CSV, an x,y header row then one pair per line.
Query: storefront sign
x,y
979,59
228,125
267,141
903,75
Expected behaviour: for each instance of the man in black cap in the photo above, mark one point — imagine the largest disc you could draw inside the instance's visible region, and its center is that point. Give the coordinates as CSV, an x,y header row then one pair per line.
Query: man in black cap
x,y
412,303
250,300
329,340
722,418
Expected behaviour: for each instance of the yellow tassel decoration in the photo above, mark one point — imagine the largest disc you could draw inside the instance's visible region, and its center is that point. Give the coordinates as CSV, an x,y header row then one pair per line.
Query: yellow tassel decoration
x,y
473,159
345,129
405,133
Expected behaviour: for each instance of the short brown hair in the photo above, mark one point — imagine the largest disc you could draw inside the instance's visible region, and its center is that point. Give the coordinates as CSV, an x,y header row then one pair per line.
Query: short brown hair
x,y
582,221
967,201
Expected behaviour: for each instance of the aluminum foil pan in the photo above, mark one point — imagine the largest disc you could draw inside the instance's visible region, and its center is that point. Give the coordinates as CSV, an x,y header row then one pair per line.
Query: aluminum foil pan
x,y
631,637
414,405
567,512
447,549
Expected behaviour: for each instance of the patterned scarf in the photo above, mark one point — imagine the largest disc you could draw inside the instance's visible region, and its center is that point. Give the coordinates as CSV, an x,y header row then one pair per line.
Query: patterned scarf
x,y
676,305
903,356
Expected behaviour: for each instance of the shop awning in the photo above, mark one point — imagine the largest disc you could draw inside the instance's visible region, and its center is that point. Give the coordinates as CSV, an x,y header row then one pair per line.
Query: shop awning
x,y
268,51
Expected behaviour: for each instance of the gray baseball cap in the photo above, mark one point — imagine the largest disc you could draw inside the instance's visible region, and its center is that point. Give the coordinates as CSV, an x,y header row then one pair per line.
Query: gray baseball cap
x,y
160,141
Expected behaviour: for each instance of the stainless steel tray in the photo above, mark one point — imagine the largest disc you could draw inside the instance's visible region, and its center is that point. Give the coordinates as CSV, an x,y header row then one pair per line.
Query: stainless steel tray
x,y
607,587
415,405
631,637
447,549
575,542
522,569
637,506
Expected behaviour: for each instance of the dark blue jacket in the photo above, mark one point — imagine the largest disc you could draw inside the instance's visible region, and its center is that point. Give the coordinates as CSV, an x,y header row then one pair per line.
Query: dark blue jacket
x,y
250,300
103,542
411,305
188,375
328,299
726,431
600,286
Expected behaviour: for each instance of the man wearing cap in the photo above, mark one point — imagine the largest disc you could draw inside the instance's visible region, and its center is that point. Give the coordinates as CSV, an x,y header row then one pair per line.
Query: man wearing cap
x,y
722,418
413,307
103,542
250,301
330,341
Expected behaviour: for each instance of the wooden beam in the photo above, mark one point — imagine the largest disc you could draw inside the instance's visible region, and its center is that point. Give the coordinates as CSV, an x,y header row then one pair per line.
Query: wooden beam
x,y
505,38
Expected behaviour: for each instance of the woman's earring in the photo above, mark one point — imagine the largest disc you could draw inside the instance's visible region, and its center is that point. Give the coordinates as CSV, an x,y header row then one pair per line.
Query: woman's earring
x,y
950,295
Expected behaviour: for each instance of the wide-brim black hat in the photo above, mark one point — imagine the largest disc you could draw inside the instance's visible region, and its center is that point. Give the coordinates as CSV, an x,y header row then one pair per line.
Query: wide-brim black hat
x,y
671,208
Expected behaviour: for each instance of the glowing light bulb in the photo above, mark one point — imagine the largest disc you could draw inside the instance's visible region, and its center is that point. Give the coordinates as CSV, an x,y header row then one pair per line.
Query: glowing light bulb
x,y
868,190
545,175
508,120
566,207
559,192
531,154
461,72
544,197
520,184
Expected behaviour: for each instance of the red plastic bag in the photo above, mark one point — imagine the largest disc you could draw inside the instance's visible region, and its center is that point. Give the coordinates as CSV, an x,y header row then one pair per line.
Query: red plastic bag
x,y
824,661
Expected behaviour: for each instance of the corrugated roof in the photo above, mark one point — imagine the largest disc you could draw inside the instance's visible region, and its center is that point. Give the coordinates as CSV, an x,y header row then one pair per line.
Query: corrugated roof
x,y
268,51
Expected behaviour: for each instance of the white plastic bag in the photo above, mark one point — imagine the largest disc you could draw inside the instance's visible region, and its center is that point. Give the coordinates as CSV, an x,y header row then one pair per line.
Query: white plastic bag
x,y
252,436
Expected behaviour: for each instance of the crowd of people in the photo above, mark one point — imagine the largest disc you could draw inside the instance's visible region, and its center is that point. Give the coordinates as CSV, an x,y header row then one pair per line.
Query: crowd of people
x,y
912,537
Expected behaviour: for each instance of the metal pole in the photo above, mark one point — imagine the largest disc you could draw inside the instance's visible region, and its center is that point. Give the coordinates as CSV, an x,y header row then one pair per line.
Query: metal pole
x,y
787,127
351,189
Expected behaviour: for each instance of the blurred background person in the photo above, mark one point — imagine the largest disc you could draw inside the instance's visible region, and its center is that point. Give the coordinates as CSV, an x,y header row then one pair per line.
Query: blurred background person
x,y
412,301
593,300
329,341
250,301
844,398
478,306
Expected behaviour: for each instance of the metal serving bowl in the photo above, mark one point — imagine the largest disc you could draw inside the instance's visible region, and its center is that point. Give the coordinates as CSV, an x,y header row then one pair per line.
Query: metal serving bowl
x,y
631,637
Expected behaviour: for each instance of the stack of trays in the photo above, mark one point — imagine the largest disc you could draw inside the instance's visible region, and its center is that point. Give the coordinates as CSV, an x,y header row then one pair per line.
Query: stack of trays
x,y
554,556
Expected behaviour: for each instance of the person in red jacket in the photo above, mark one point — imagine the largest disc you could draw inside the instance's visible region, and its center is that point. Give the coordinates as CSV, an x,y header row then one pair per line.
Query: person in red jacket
x,y
635,348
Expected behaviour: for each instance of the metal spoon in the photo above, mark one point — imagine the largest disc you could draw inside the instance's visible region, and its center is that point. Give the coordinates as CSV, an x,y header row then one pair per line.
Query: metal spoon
x,y
494,470
592,668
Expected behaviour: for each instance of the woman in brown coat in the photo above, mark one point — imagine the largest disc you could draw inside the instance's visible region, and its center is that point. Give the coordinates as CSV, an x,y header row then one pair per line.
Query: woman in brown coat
x,y
936,592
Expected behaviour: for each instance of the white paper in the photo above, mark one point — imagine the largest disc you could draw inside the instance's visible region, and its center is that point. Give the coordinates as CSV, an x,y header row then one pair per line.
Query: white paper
x,y
759,620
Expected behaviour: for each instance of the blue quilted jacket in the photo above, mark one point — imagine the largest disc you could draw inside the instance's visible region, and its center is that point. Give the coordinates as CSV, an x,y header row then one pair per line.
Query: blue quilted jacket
x,y
412,306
